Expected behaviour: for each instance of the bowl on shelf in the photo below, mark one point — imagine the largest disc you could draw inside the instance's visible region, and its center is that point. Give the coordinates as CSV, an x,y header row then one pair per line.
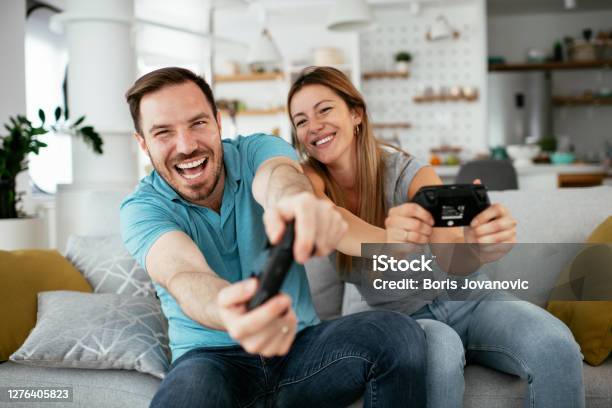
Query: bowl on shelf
x,y
445,155
562,158
522,155
536,55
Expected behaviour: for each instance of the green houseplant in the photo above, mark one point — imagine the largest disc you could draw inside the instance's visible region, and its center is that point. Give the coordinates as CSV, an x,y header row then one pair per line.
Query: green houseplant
x,y
21,140
402,60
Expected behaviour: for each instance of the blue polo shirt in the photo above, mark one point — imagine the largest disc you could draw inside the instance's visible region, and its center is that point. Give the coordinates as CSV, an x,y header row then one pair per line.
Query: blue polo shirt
x,y
231,241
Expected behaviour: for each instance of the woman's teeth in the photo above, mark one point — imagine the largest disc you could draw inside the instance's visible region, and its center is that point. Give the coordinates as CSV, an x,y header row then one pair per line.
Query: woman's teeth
x,y
324,140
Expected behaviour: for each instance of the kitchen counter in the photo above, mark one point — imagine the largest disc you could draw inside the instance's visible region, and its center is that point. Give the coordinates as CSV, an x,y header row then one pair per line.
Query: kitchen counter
x,y
536,176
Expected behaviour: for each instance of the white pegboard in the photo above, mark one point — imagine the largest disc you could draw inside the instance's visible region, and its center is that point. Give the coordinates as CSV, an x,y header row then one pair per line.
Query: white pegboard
x,y
460,62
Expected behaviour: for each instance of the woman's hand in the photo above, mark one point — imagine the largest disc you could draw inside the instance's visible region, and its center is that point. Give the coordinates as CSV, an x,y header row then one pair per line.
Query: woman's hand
x,y
494,225
494,232
409,223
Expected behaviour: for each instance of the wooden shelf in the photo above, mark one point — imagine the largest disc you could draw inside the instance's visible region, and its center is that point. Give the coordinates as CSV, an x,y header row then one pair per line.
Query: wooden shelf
x,y
444,98
551,66
580,180
256,112
392,125
294,69
384,74
265,76
581,101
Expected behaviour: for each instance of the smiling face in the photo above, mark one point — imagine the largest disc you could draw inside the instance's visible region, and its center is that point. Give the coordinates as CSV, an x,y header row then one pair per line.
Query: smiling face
x,y
324,123
183,139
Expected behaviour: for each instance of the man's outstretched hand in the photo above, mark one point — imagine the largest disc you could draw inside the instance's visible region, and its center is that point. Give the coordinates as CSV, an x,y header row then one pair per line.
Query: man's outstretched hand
x,y
318,225
268,330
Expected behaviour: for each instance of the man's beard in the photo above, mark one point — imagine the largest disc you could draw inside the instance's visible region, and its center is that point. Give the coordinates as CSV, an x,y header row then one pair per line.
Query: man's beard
x,y
196,193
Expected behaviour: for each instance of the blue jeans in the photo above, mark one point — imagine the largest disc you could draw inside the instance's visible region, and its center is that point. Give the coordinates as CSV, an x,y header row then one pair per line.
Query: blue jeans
x,y
506,334
379,355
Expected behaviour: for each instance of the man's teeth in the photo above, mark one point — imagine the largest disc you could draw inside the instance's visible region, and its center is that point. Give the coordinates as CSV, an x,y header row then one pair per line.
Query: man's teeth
x,y
324,140
191,165
192,176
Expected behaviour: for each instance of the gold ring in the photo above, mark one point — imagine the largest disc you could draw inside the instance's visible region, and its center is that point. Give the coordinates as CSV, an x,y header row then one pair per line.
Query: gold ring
x,y
285,329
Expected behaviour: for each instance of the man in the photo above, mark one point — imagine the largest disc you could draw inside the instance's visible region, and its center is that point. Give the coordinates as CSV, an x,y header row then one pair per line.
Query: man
x,y
196,223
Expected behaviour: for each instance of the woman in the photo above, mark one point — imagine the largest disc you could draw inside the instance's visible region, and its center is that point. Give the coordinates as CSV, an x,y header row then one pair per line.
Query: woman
x,y
366,180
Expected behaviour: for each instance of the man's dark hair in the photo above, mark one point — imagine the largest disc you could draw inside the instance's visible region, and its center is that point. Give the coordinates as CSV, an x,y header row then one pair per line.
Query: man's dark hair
x,y
158,79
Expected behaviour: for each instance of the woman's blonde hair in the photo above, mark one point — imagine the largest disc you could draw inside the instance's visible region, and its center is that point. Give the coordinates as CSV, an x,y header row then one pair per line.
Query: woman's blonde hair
x,y
370,166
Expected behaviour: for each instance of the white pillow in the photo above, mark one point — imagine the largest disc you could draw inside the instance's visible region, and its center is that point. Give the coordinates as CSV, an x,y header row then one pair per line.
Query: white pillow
x,y
108,267
97,331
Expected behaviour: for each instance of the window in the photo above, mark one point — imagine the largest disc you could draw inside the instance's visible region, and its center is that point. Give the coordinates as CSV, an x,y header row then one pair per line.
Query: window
x,y
46,58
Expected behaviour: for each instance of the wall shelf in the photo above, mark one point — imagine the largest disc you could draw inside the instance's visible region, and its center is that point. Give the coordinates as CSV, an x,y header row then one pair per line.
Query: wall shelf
x,y
265,76
552,66
581,101
256,112
391,125
385,74
445,98
294,69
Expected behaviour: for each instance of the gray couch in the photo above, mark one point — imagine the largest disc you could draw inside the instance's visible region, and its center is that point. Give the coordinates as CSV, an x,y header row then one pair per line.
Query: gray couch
x,y
553,216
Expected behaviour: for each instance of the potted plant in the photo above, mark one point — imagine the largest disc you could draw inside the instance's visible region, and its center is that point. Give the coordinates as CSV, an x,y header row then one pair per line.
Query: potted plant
x,y
21,140
402,61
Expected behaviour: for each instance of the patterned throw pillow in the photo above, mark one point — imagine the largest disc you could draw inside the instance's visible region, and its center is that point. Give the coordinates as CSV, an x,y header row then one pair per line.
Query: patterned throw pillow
x,y
107,265
97,331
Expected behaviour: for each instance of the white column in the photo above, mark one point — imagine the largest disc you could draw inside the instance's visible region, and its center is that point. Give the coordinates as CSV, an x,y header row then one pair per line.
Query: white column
x,y
101,68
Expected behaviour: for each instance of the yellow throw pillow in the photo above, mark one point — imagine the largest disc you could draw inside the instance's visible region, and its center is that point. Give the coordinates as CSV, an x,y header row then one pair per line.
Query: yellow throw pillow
x,y
591,321
602,234
22,275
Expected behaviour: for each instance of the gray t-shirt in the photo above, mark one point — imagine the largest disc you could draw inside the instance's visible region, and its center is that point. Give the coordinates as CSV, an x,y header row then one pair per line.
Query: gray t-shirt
x,y
400,171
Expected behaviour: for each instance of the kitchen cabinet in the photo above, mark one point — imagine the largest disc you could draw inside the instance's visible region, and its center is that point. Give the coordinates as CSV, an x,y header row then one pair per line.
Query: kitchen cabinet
x,y
543,176
568,100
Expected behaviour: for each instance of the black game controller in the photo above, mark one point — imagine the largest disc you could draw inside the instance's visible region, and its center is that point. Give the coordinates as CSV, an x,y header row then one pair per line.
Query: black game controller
x,y
280,259
453,205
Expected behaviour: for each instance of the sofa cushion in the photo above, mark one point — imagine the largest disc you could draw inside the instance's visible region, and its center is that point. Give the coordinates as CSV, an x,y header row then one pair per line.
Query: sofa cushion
x,y
487,388
325,287
98,331
562,215
107,265
353,302
598,385
22,275
91,388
